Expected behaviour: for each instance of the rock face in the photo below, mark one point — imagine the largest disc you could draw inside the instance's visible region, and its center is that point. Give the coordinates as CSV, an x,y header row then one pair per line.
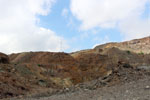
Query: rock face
x,y
4,59
137,45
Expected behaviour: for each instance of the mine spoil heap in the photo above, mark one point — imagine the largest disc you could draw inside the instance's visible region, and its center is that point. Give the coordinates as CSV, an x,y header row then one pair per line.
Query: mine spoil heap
x,y
30,74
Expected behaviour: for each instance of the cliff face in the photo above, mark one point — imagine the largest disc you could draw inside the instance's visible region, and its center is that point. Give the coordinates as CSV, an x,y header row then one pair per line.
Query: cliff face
x,y
137,45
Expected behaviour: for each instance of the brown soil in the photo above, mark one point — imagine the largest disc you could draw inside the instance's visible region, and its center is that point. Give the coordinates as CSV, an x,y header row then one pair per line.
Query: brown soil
x,y
31,73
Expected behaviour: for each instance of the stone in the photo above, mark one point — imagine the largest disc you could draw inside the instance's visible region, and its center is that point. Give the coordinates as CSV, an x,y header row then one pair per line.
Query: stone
x,y
147,87
4,59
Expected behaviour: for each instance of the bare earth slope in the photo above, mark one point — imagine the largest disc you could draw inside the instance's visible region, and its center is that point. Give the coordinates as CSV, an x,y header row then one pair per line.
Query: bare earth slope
x,y
137,45
136,90
40,74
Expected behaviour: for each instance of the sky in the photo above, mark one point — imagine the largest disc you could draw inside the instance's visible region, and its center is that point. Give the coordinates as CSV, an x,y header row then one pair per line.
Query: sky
x,y
70,25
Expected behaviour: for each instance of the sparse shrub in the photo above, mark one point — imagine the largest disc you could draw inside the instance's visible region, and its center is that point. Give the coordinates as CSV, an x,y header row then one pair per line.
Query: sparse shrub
x,y
128,52
141,53
39,65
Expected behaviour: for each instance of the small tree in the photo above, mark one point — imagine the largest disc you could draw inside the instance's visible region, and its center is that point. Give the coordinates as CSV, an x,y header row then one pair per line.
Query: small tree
x,y
128,52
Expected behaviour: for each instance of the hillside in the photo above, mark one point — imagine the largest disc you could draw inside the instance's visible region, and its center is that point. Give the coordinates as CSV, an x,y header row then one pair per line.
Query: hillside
x,y
32,74
136,45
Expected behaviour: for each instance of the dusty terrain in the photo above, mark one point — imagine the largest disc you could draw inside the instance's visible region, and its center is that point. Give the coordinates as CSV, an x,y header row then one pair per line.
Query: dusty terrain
x,y
136,90
61,75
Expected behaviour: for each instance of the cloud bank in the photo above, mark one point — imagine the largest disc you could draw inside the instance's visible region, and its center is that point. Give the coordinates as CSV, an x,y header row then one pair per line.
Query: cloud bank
x,y
106,14
19,30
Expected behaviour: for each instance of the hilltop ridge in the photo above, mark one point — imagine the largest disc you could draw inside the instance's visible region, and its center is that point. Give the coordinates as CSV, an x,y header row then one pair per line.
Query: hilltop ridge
x,y
34,73
136,45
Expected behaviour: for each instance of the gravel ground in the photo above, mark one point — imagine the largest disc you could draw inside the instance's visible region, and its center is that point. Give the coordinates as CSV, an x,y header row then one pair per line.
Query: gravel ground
x,y
137,90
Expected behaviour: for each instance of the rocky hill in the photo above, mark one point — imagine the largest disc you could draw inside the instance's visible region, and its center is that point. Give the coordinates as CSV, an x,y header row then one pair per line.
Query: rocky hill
x,y
48,73
137,45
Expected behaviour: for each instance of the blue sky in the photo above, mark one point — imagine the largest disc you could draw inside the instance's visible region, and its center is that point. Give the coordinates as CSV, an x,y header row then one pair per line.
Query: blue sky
x,y
77,39
70,25
80,39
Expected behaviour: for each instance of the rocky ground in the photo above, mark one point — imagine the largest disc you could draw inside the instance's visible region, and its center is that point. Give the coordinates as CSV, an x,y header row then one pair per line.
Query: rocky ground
x,y
129,90
107,71
133,85
136,90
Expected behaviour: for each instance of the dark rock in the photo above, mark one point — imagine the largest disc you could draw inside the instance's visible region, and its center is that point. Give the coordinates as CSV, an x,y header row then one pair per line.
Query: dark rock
x,y
4,59
127,65
42,83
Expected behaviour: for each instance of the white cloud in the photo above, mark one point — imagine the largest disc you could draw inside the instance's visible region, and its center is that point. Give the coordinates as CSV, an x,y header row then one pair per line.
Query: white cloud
x,y
19,30
135,28
110,14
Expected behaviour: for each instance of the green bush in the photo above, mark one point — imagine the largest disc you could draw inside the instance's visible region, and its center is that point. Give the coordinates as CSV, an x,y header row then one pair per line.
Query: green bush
x,y
141,53
39,65
128,52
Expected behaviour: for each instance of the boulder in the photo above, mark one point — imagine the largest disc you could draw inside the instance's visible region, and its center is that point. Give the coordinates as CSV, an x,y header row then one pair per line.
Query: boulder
x,y
4,59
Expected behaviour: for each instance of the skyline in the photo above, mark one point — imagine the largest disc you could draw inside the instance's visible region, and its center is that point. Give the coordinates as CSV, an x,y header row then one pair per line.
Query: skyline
x,y
70,25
